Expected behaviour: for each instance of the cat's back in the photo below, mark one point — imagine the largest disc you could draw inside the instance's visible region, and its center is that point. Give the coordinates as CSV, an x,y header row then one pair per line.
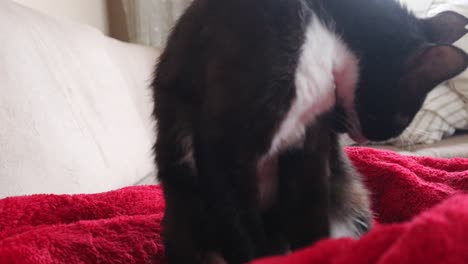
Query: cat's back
x,y
236,31
208,21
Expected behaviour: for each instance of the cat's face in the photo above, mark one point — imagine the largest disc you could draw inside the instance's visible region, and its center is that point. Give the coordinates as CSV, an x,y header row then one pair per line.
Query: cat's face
x,y
391,92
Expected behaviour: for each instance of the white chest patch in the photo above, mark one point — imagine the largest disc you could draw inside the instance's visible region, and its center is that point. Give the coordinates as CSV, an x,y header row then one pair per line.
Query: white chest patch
x,y
326,73
324,62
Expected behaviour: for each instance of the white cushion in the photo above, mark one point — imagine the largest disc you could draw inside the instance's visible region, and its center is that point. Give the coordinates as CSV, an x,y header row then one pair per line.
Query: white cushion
x,y
74,107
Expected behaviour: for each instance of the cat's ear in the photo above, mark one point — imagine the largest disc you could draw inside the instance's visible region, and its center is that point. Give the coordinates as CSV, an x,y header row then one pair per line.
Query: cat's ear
x,y
446,27
431,66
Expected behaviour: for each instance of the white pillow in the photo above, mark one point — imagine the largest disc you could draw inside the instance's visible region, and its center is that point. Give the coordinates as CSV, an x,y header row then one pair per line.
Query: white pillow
x,y
74,107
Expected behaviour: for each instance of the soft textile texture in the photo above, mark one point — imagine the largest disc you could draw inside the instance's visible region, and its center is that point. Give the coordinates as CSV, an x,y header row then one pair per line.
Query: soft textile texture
x,y
452,147
436,236
123,226
75,106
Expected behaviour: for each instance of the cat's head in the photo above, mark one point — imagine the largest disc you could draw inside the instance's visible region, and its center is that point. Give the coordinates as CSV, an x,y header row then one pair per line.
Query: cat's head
x,y
393,87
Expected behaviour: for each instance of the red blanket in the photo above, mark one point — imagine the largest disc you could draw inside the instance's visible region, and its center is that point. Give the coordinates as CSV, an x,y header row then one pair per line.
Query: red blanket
x,y
419,205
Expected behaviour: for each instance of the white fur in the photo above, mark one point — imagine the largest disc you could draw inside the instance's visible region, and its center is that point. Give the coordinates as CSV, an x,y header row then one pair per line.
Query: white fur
x,y
324,63
345,227
326,74
339,229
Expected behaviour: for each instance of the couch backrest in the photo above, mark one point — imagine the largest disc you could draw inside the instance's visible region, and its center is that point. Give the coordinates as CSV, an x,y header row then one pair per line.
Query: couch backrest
x,y
74,107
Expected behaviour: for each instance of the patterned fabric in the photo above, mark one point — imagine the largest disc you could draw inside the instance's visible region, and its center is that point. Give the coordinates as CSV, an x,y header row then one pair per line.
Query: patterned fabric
x,y
444,111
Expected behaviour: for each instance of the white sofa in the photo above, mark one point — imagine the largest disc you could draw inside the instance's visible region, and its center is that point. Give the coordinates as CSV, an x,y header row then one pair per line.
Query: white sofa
x,y
75,107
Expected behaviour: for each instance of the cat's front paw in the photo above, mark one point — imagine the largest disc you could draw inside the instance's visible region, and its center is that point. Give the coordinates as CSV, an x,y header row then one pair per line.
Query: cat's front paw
x,y
352,225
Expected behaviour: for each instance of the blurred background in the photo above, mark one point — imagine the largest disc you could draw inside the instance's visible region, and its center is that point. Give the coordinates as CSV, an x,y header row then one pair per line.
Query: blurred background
x,y
140,21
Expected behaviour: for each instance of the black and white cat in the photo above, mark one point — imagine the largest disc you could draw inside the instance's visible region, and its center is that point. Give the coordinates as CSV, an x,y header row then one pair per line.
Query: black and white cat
x,y
250,96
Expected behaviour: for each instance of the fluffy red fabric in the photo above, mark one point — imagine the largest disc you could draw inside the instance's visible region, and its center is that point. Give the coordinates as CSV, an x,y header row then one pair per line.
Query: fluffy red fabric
x,y
123,226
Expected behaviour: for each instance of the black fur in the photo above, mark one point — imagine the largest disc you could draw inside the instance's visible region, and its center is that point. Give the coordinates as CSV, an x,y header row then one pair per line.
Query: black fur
x,y
222,87
385,36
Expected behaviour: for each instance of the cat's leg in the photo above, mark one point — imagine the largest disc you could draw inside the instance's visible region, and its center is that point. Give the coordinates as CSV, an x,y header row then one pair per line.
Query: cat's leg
x,y
275,231
188,227
226,161
304,187
190,230
350,212
181,237
184,231
188,242
211,215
